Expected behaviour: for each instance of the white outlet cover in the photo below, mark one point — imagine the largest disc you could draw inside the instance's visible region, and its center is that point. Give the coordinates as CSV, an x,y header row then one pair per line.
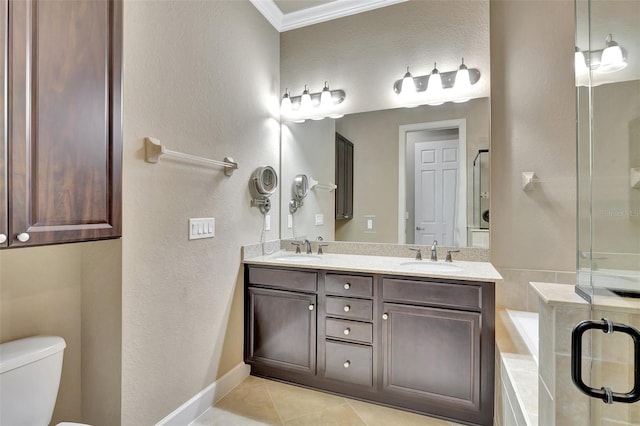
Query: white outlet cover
x,y
319,219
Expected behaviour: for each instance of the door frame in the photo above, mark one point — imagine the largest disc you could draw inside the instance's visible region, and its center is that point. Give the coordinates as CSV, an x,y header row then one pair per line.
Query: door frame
x,y
461,220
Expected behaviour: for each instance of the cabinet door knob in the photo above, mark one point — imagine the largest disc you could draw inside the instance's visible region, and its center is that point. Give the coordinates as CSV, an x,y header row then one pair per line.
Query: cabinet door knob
x,y
311,307
346,308
347,331
23,237
347,364
3,238
385,316
347,286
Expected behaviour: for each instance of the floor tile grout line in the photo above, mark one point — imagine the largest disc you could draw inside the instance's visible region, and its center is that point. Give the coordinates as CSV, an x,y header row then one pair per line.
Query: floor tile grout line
x,y
273,404
355,410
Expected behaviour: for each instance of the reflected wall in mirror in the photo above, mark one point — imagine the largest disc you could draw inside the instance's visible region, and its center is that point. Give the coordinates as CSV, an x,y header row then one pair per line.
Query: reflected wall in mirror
x,y
384,189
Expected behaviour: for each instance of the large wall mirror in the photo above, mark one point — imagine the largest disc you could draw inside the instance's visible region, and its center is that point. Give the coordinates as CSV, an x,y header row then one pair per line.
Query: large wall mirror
x,y
397,152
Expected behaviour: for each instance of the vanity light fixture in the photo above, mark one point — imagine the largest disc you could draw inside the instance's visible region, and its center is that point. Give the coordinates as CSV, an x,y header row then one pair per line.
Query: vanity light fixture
x,y
315,106
602,61
439,87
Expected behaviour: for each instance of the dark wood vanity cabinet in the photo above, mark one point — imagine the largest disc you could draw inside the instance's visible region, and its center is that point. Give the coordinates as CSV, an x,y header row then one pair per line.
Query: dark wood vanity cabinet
x,y
344,178
61,153
280,327
426,345
438,347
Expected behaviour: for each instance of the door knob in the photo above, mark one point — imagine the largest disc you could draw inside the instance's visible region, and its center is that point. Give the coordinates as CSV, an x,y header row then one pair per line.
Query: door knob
x,y
385,316
311,307
346,364
23,237
3,238
347,286
347,331
419,228
346,308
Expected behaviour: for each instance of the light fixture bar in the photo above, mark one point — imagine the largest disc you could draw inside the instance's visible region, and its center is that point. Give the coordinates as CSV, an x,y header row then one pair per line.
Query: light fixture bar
x,y
448,80
337,96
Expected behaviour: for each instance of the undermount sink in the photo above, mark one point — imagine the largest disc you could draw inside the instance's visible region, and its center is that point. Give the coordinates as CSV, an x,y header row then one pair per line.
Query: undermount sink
x,y
427,266
301,257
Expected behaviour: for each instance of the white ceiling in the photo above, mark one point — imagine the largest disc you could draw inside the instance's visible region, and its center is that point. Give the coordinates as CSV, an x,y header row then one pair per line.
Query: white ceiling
x,y
287,15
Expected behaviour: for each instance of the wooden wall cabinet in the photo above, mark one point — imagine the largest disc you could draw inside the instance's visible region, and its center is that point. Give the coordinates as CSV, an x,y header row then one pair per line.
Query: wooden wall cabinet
x,y
344,178
61,153
426,345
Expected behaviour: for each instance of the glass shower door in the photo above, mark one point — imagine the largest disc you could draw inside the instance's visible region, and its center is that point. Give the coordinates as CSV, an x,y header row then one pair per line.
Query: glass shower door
x,y
606,348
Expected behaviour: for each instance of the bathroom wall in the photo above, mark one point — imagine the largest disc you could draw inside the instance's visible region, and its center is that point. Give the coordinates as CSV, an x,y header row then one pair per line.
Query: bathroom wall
x,y
533,234
72,291
203,77
365,54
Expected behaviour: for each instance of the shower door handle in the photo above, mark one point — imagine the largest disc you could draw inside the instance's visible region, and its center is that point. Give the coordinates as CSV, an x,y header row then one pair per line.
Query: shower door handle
x,y
604,393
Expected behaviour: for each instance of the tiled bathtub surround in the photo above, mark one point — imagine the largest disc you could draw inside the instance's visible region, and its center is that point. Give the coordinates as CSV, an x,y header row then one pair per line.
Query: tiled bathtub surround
x,y
560,402
514,292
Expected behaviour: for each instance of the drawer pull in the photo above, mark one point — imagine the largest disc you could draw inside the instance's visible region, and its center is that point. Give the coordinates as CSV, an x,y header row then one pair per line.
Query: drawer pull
x,y
346,308
3,238
23,237
347,364
347,286
385,316
311,307
347,331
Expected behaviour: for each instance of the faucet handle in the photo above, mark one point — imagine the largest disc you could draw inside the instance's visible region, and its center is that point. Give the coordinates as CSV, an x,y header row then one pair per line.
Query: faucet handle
x,y
297,244
320,248
418,252
449,259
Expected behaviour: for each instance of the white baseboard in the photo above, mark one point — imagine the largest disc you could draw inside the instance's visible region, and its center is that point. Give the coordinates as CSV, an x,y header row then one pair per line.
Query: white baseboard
x,y
193,408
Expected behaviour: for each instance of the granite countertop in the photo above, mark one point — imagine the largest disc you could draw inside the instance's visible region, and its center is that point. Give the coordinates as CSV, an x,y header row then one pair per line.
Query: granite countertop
x,y
463,270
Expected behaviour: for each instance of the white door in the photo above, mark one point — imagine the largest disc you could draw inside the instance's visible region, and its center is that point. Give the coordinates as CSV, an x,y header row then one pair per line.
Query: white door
x,y
436,192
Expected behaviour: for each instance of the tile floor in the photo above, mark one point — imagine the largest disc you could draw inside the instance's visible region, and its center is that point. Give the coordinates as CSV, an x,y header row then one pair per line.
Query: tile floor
x,y
258,401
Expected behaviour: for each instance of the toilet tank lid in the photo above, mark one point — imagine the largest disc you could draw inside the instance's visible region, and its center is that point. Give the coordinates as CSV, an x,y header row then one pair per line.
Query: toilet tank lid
x,y
20,352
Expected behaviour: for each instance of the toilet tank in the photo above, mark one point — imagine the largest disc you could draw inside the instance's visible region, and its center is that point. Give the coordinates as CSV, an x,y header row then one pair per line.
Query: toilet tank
x,y
29,377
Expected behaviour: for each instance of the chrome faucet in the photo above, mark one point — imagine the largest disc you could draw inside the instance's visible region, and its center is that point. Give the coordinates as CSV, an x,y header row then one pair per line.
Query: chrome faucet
x,y
307,245
418,252
434,253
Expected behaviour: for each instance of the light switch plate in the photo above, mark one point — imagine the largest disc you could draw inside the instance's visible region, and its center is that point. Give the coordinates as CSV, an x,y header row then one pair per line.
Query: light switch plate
x,y
289,221
267,222
319,219
370,224
203,227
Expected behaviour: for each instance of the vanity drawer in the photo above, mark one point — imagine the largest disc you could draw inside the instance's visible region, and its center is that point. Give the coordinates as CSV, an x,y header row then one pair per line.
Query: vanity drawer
x,y
349,285
349,330
349,308
433,293
349,363
294,280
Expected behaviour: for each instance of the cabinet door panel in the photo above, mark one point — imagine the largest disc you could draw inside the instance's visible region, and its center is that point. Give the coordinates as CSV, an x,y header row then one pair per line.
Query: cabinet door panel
x,y
432,353
282,329
66,120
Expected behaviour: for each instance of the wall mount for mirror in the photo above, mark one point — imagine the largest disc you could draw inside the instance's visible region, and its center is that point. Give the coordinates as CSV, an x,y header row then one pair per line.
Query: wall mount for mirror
x,y
263,183
300,190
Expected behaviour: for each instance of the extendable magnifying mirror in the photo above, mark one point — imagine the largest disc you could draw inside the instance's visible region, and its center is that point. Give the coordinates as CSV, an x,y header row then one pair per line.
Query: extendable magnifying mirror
x,y
300,190
263,183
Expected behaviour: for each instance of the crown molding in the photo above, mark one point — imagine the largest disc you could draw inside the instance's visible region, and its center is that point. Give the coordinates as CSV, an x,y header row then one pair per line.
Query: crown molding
x,y
315,15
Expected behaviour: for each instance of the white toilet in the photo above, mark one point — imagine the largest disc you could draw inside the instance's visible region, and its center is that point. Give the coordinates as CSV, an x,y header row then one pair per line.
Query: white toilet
x,y
30,371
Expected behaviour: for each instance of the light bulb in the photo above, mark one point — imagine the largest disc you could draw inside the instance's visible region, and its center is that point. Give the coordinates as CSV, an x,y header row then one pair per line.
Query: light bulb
x,y
408,85
285,105
305,100
612,59
434,87
462,83
580,63
326,100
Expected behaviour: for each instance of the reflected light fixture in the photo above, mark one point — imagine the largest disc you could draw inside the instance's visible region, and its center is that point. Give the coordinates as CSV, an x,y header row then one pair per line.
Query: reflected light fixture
x,y
438,87
602,61
315,106
612,59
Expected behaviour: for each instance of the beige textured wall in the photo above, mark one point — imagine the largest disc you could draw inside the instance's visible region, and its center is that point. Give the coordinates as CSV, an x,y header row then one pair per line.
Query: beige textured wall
x,y
533,130
365,54
203,77
375,138
71,291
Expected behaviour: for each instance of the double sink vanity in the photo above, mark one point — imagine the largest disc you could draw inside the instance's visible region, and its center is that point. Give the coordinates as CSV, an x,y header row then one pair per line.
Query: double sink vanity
x,y
417,335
